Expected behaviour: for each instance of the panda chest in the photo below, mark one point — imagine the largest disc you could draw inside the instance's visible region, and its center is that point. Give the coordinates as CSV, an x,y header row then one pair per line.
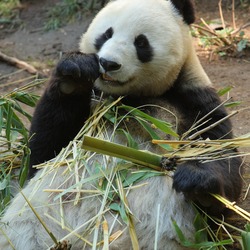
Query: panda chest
x,y
137,123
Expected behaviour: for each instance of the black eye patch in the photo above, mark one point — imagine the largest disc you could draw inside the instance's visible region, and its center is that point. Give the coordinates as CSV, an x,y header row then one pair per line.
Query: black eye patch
x,y
143,48
103,38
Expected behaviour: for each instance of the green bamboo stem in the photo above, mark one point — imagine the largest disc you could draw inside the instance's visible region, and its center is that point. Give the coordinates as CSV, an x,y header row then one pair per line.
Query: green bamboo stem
x,y
144,158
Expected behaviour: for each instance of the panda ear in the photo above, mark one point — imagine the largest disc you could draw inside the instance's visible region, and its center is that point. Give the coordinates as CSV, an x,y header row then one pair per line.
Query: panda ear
x,y
186,9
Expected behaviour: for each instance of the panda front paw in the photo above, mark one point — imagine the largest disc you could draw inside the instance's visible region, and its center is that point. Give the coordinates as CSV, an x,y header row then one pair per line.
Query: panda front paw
x,y
77,71
197,181
79,66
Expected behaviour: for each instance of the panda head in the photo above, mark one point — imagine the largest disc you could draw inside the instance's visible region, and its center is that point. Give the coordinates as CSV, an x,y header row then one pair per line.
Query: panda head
x,y
141,44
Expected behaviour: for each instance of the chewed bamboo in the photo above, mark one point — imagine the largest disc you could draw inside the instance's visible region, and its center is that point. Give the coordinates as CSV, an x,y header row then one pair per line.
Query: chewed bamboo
x,y
144,158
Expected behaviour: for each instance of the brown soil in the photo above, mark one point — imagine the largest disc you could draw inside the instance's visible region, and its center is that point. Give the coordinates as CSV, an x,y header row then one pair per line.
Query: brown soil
x,y
42,49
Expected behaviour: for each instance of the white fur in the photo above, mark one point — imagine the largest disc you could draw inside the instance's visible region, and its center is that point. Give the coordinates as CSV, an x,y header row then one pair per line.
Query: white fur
x,y
170,38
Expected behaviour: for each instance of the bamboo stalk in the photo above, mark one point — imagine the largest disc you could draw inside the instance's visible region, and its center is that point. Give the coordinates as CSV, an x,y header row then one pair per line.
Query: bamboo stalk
x,y
105,228
40,220
232,205
116,150
71,232
72,191
193,136
235,142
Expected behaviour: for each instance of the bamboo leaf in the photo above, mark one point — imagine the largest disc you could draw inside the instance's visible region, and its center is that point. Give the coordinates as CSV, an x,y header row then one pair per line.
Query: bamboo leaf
x,y
1,119
232,104
24,167
115,207
139,176
149,129
110,115
8,121
17,107
179,232
246,237
246,240
26,98
3,184
131,141
2,101
123,214
119,208
162,125
17,124
153,134
223,91
199,245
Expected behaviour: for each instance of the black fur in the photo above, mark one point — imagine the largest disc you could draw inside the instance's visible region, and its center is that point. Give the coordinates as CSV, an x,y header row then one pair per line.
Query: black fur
x,y
197,180
103,38
186,9
58,117
143,49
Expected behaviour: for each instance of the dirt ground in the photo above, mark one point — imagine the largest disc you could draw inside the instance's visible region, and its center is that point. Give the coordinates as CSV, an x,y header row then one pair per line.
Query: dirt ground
x,y
42,49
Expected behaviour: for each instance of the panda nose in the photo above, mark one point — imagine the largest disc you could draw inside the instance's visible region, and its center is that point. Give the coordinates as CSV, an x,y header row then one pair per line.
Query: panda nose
x,y
109,65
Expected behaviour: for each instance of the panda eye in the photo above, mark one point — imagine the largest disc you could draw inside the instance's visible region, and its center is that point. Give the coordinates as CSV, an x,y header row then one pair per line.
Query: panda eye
x,y
108,33
141,41
144,50
104,37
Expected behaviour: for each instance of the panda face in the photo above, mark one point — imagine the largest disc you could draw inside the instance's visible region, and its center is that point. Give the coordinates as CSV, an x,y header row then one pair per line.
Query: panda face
x,y
143,48
140,45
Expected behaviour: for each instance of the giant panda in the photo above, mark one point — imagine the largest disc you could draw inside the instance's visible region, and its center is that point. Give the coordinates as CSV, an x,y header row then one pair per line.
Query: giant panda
x,y
141,50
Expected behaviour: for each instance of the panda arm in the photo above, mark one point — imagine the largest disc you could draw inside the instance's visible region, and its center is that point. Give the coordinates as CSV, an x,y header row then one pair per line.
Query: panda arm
x,y
64,106
194,178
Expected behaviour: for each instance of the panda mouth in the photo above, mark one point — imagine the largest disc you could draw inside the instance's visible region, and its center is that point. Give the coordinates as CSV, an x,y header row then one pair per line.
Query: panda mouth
x,y
107,78
111,81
